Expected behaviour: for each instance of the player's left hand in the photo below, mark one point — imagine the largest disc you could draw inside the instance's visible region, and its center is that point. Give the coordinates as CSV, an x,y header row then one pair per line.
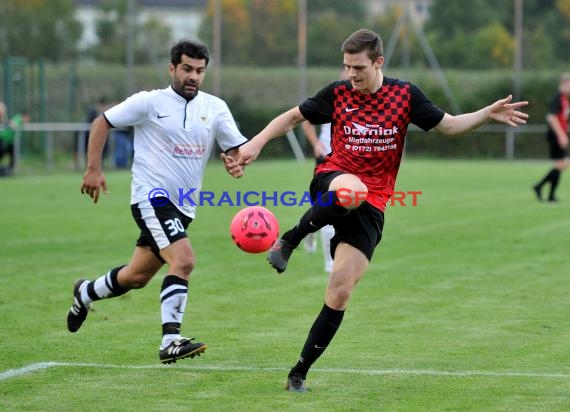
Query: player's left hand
x,y
248,152
231,165
506,112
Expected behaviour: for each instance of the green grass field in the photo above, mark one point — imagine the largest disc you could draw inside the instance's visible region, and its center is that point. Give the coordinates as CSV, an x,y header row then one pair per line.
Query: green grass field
x,y
464,306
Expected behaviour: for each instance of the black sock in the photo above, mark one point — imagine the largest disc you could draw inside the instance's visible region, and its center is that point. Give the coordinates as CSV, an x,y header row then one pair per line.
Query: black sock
x,y
320,335
554,180
106,286
324,212
546,178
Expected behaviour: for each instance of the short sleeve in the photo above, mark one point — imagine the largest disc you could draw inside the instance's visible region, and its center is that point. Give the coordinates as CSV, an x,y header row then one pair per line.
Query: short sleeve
x,y
424,113
228,135
319,108
129,112
555,105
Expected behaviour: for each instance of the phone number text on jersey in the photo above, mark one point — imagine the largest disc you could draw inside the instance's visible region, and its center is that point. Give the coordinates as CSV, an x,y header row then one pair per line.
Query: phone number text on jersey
x,y
358,148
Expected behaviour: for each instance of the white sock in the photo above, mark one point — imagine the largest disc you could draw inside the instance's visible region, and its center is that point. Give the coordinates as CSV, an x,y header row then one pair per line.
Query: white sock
x,y
327,233
173,297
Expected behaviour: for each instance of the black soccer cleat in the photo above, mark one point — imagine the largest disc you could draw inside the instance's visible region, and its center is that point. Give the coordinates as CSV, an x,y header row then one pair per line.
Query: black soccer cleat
x,y
78,312
279,255
296,383
538,192
181,348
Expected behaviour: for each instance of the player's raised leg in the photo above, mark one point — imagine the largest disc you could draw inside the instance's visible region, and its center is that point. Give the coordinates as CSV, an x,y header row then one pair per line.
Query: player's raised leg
x,y
341,193
118,281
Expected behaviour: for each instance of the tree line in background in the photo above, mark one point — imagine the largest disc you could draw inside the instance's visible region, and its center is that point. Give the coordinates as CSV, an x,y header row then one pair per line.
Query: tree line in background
x,y
476,34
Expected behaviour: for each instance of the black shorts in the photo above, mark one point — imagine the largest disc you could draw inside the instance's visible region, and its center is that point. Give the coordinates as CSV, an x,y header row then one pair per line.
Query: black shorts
x,y
360,228
160,225
556,152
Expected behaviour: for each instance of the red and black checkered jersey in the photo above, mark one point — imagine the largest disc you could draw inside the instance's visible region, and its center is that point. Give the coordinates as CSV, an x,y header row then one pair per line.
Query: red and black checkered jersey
x,y
368,131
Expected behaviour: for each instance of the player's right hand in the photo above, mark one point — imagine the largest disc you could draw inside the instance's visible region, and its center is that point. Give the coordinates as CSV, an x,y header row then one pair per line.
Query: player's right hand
x,y
232,166
93,182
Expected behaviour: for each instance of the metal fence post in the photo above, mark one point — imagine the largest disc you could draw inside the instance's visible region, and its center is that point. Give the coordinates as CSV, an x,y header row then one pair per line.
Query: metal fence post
x,y
49,150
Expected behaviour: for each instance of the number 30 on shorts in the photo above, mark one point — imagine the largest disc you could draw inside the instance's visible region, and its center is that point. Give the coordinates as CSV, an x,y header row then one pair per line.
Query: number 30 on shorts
x,y
174,225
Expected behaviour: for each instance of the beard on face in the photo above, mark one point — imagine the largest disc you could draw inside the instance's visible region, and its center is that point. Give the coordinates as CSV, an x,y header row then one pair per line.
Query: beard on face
x,y
180,87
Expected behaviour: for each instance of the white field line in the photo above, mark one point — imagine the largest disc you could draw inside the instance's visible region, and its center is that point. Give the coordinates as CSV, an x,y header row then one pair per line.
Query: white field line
x,y
14,373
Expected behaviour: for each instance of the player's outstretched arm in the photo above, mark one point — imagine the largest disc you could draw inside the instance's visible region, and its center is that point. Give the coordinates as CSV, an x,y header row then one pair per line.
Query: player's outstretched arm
x,y
276,128
502,111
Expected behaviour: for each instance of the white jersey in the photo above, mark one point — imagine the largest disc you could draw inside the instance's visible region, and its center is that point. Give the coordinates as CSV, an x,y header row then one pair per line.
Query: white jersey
x,y
173,139
325,137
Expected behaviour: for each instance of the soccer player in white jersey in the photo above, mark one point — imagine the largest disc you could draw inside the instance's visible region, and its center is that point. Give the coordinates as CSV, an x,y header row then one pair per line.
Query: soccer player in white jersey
x,y
174,132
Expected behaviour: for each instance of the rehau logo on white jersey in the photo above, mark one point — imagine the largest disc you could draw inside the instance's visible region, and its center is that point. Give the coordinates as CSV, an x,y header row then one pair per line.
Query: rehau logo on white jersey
x,y
187,151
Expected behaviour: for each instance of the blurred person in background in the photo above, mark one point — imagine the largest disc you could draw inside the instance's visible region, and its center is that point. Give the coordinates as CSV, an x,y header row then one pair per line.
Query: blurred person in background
x,y
370,114
123,147
7,136
3,145
92,113
321,147
557,138
175,130
3,113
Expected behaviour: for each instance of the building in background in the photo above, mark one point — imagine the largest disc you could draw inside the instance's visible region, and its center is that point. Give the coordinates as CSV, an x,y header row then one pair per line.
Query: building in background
x,y
419,9
183,17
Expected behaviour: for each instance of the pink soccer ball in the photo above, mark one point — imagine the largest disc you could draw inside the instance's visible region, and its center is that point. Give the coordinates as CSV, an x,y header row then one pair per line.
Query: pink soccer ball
x,y
254,229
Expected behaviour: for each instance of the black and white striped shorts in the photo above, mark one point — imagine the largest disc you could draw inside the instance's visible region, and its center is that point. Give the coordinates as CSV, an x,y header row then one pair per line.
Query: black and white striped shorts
x,y
160,225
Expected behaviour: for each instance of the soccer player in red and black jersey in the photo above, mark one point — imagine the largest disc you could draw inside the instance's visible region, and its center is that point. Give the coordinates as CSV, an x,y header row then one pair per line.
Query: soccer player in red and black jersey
x,y
557,137
370,114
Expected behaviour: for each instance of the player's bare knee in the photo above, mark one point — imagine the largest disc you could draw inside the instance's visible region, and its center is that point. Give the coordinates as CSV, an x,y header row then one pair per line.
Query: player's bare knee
x,y
340,295
138,280
351,198
183,266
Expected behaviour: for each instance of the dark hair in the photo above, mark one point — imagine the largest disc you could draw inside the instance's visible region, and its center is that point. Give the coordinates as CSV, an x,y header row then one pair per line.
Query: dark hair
x,y
189,48
364,40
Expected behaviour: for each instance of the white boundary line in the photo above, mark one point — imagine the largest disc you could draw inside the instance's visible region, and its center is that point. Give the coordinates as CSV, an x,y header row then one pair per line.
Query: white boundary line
x,y
26,370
